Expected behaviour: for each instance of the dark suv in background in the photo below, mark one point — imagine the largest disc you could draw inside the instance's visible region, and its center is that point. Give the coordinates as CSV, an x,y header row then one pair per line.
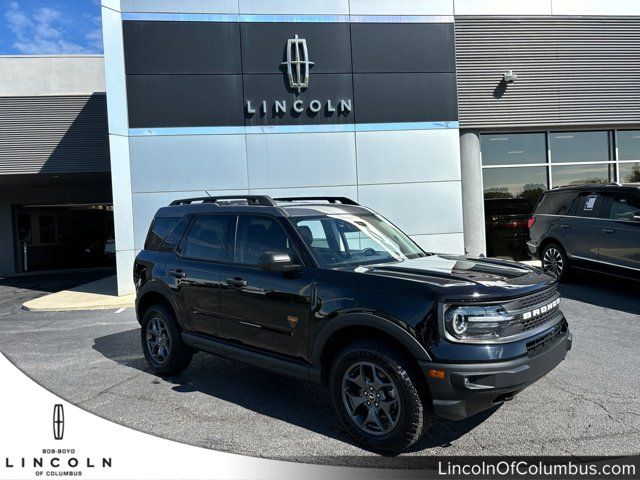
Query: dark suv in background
x,y
593,227
328,291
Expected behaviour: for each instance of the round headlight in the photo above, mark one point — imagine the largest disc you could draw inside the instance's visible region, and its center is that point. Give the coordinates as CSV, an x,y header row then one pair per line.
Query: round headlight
x,y
458,323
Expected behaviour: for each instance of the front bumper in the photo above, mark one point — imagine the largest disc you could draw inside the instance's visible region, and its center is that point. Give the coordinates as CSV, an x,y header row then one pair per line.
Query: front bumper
x,y
467,389
533,248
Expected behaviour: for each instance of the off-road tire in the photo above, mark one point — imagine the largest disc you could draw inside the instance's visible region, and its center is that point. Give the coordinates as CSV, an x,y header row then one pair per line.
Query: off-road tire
x,y
179,355
414,413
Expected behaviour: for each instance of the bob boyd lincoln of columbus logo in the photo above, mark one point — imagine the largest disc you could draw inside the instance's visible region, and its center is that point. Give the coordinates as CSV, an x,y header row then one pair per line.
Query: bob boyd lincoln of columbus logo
x,y
58,422
297,67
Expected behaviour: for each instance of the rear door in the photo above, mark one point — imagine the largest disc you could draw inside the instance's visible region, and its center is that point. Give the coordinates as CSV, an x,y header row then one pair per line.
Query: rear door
x,y
197,268
620,233
580,232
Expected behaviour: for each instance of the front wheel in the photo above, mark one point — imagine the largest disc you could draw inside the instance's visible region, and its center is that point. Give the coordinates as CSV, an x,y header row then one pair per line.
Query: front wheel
x,y
376,396
554,260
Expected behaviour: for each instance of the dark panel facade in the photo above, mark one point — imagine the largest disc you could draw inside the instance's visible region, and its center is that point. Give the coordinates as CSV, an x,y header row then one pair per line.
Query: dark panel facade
x,y
397,47
327,89
263,46
405,97
182,74
184,100
181,48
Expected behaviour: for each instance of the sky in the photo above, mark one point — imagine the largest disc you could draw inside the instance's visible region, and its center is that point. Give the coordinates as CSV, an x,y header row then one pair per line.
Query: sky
x,y
45,27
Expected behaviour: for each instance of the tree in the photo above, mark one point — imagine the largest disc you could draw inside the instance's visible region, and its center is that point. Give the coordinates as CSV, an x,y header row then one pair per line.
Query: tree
x,y
634,176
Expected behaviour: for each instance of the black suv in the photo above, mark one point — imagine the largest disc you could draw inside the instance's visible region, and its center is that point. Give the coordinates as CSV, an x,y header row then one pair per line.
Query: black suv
x,y
328,291
593,227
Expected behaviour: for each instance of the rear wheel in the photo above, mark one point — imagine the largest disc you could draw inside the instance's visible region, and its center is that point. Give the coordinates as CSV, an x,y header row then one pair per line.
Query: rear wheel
x,y
554,260
162,343
375,393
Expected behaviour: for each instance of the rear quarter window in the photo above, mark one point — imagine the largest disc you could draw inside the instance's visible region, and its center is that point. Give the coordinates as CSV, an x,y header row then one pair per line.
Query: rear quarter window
x,y
165,233
556,203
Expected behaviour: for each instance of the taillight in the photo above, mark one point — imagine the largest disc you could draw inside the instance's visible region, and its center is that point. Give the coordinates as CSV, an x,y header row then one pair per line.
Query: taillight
x,y
531,221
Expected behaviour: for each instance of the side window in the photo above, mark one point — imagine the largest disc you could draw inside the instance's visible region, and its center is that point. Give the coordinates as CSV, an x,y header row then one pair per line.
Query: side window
x,y
160,228
589,204
172,239
624,206
207,239
557,203
256,235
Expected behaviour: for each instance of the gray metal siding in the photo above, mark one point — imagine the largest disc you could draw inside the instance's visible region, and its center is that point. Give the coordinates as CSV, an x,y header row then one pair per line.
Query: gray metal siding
x,y
54,134
571,71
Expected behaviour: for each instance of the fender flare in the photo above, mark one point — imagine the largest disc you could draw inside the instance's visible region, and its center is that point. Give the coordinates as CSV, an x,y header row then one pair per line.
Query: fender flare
x,y
158,288
369,320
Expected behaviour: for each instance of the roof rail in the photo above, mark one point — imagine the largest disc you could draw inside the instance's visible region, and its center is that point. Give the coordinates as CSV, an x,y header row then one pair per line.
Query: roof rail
x,y
342,200
262,200
580,185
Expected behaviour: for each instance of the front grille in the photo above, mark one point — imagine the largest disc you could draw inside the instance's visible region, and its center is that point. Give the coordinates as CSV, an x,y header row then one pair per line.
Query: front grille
x,y
538,298
543,343
541,319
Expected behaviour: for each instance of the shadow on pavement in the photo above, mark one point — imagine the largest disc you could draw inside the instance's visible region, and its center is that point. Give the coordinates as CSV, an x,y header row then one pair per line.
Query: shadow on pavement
x,y
296,402
16,290
602,291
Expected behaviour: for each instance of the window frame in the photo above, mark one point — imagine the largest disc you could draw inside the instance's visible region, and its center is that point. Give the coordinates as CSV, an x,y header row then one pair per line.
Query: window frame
x,y
179,248
610,201
295,241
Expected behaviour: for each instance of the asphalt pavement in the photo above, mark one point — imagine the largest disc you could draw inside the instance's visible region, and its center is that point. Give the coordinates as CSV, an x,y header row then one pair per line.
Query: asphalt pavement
x,y
589,405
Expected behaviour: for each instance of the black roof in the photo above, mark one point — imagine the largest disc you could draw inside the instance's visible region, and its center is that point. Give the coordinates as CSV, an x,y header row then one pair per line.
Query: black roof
x,y
285,207
598,186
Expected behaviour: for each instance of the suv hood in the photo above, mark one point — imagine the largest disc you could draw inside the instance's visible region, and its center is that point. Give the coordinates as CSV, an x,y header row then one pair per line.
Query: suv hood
x,y
490,277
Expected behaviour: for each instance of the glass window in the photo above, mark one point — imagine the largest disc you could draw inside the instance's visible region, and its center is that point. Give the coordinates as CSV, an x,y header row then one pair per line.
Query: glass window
x,y
356,239
207,239
625,206
579,146
629,172
47,224
589,204
580,174
257,235
517,182
629,144
513,148
24,227
160,228
556,203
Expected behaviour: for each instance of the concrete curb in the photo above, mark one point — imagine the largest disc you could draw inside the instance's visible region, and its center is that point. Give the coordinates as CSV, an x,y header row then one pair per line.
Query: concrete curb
x,y
98,295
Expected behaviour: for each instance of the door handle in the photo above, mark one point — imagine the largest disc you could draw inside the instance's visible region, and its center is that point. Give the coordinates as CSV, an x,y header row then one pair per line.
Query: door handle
x,y
237,282
608,230
564,225
177,273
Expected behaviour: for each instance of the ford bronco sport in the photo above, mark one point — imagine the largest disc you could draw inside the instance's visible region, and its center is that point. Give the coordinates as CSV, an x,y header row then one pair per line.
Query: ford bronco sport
x,y
328,291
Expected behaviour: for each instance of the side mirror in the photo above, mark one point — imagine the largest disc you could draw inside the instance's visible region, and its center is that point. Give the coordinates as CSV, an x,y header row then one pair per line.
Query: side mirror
x,y
277,262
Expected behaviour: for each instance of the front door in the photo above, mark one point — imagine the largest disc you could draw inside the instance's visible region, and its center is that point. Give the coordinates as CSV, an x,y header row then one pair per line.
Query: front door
x,y
266,310
620,234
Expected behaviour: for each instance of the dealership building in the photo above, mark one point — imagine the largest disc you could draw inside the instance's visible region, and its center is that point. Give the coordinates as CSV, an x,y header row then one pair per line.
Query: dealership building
x,y
432,112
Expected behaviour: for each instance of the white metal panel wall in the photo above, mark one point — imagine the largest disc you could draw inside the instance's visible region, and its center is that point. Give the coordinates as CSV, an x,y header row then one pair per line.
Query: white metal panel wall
x,y
571,71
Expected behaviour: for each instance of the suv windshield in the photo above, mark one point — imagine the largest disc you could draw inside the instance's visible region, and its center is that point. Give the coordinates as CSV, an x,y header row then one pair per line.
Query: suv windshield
x,y
345,239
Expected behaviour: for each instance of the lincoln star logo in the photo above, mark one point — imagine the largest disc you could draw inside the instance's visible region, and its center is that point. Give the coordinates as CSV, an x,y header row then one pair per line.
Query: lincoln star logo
x,y
58,422
297,63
